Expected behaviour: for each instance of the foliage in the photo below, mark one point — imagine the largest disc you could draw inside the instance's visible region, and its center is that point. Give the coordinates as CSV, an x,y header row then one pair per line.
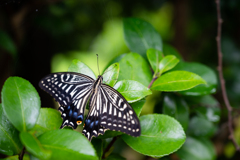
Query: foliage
x,y
134,75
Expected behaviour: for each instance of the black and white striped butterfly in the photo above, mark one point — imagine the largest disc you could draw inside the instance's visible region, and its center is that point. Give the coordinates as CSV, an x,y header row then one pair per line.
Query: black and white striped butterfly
x,y
108,109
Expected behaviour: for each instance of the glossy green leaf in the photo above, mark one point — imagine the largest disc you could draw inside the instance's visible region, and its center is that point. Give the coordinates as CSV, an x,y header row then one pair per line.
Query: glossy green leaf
x,y
205,72
197,149
160,135
170,50
110,75
48,119
177,81
167,63
140,36
7,44
154,57
34,146
137,106
67,144
80,67
131,90
176,107
9,142
20,102
201,127
135,67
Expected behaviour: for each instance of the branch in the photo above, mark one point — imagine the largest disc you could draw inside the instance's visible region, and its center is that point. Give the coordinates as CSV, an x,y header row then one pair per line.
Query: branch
x,y
220,72
20,157
108,147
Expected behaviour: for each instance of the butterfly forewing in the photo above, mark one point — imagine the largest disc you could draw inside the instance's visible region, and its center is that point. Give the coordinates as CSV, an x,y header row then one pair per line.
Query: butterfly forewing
x,y
71,91
108,109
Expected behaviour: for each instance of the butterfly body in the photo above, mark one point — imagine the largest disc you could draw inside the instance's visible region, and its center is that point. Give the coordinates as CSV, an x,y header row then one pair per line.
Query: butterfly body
x,y
108,109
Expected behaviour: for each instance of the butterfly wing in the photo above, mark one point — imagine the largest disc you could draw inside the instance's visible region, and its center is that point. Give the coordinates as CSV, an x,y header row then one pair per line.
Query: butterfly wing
x,y
110,110
72,91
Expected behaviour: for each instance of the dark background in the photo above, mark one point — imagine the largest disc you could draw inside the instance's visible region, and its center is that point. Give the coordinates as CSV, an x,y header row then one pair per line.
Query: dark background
x,y
40,36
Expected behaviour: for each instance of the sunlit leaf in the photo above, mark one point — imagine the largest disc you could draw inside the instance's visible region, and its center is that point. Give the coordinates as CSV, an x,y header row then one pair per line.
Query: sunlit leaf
x,y
110,75
177,81
9,136
21,103
34,146
135,67
167,63
160,135
132,90
80,67
203,71
49,119
67,144
154,57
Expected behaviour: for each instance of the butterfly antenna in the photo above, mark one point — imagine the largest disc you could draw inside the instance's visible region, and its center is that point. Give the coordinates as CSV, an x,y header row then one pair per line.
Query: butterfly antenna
x,y
98,64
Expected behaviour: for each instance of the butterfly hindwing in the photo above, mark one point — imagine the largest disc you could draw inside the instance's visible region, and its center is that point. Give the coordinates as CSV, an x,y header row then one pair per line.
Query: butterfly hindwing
x,y
71,91
110,110
118,114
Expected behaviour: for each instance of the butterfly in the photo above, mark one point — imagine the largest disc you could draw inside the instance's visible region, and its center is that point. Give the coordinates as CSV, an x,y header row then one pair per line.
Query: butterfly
x,y
108,109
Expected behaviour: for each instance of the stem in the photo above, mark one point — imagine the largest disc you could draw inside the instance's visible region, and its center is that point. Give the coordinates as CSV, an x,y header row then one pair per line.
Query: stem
x,y
220,72
108,147
150,85
22,154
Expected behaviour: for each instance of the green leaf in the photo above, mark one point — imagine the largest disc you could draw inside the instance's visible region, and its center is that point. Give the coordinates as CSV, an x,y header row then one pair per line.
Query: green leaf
x,y
48,119
7,44
197,149
98,145
132,91
169,50
154,57
177,81
115,156
9,142
201,127
20,102
34,146
203,71
176,107
25,157
167,63
135,67
137,106
80,67
140,36
67,144
110,75
160,136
